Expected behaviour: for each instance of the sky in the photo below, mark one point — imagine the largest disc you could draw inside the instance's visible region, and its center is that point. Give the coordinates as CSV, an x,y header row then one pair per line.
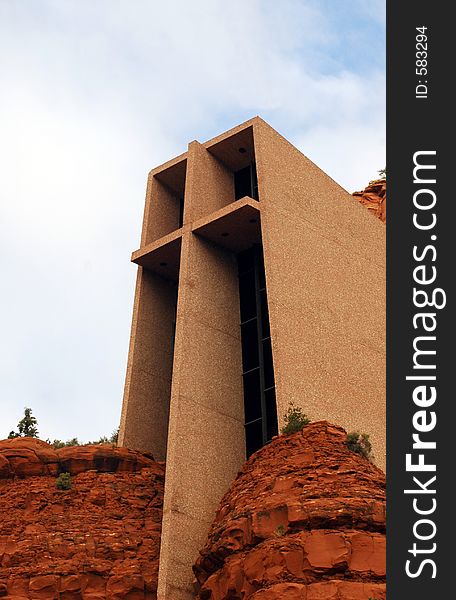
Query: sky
x,y
94,94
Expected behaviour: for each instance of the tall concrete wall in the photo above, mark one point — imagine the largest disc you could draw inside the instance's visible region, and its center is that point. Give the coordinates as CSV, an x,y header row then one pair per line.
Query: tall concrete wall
x,y
206,445
145,410
325,275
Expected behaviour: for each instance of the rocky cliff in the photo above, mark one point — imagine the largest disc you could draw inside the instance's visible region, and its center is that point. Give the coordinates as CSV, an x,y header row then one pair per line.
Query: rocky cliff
x,y
304,520
99,539
374,198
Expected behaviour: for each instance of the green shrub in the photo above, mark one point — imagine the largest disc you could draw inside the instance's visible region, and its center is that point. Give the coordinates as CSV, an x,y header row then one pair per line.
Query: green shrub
x,y
75,442
61,444
63,481
359,443
295,420
56,444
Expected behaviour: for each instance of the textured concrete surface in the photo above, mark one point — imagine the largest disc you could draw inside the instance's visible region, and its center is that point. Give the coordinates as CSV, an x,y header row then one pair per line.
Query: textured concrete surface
x,y
326,310
326,301
162,256
145,410
206,430
212,182
235,227
161,213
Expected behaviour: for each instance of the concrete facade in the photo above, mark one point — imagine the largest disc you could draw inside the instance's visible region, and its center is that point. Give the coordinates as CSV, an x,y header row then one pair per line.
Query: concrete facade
x,y
184,399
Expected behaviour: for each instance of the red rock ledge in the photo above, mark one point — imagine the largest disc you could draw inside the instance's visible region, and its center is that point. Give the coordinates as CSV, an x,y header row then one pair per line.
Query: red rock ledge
x,y
100,539
304,520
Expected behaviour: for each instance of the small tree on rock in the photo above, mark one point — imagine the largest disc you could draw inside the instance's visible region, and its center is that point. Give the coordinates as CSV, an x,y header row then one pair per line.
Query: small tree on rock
x,y
295,420
27,427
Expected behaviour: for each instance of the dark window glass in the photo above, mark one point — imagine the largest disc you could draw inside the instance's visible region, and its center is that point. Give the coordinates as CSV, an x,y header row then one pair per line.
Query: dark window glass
x,y
242,183
267,364
271,414
261,275
249,336
258,372
247,295
246,183
253,436
252,395
254,182
265,331
246,260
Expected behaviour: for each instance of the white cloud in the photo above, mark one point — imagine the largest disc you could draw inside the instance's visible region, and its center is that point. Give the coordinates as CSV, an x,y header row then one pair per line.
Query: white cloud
x,y
94,95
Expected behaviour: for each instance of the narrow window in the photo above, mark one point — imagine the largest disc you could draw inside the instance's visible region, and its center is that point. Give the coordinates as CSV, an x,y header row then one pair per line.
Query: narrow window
x,y
257,366
245,182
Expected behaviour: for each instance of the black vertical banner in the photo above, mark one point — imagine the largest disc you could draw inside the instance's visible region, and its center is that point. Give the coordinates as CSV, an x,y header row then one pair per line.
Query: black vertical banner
x,y
421,237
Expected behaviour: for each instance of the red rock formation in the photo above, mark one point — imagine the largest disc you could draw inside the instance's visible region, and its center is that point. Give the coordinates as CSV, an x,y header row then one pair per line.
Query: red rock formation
x,y
100,539
304,520
26,457
374,198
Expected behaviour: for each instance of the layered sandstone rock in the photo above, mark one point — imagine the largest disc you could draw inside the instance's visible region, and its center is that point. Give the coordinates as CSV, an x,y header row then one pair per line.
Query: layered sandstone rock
x,y
305,519
100,539
26,457
374,198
